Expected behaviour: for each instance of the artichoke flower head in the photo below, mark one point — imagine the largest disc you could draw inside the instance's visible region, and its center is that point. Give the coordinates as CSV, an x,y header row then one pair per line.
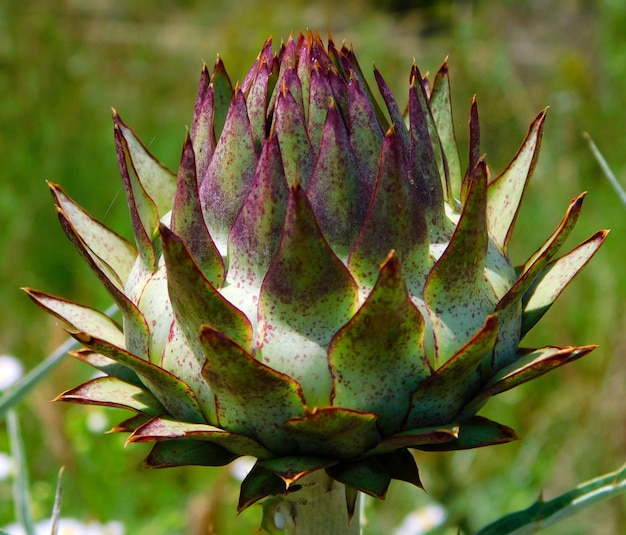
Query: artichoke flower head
x,y
322,284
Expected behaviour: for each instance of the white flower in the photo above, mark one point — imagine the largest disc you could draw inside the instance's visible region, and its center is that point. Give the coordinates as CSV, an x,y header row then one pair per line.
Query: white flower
x,y
70,526
11,369
97,421
6,465
422,521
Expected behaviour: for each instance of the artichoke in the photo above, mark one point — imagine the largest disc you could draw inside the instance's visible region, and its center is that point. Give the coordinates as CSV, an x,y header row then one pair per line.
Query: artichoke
x,y
321,285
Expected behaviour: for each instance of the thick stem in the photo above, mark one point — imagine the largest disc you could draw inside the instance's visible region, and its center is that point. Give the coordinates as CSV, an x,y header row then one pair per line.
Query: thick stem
x,y
318,508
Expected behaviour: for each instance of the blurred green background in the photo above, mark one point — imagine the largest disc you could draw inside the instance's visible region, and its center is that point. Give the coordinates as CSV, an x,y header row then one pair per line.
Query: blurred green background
x,y
64,64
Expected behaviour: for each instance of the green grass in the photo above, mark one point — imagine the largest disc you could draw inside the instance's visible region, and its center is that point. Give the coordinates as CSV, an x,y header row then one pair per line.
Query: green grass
x,y
64,64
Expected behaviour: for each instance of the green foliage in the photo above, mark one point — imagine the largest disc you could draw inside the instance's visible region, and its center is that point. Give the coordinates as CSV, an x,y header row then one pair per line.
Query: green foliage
x,y
64,64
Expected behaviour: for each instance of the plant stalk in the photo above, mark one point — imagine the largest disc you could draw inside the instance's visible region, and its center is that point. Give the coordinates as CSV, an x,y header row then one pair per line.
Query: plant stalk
x,y
319,507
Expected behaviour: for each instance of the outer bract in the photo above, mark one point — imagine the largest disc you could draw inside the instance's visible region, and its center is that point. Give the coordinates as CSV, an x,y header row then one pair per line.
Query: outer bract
x,y
321,285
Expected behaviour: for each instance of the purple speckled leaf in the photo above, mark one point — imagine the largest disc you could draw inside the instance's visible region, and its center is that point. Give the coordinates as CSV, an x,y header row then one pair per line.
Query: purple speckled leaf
x,y
475,432
222,96
368,475
159,429
334,432
335,191
416,437
320,96
377,359
313,66
441,106
80,317
287,59
448,389
428,129
179,358
171,453
255,235
258,484
555,277
304,69
112,392
530,364
256,101
157,181
366,136
307,295
295,147
290,469
401,465
252,399
130,424
426,170
230,173
113,254
175,395
265,56
106,365
291,84
474,148
456,292
195,300
202,132
506,190
187,221
136,329
540,258
347,65
392,222
509,307
339,88
144,216
397,121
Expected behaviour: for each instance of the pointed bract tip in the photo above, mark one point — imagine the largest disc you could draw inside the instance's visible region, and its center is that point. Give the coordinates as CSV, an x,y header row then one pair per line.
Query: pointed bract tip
x,y
481,169
296,187
577,201
581,351
54,187
392,257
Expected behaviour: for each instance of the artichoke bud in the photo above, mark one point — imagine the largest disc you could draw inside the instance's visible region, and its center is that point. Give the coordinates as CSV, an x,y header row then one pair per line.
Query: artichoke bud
x,y
321,284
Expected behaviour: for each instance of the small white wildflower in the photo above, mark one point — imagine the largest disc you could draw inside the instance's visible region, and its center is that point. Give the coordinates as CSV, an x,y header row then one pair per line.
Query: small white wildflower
x,y
422,521
6,465
97,422
72,526
113,528
14,529
11,369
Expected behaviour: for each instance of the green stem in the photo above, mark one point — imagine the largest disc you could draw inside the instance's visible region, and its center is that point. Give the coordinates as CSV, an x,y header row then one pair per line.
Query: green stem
x,y
317,508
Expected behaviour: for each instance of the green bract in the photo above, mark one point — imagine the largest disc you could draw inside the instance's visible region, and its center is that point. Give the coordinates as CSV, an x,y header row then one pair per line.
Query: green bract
x,y
320,285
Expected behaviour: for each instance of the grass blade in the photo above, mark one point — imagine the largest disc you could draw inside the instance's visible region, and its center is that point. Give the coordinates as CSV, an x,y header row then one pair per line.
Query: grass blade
x,y
21,486
606,169
13,395
56,511
542,514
